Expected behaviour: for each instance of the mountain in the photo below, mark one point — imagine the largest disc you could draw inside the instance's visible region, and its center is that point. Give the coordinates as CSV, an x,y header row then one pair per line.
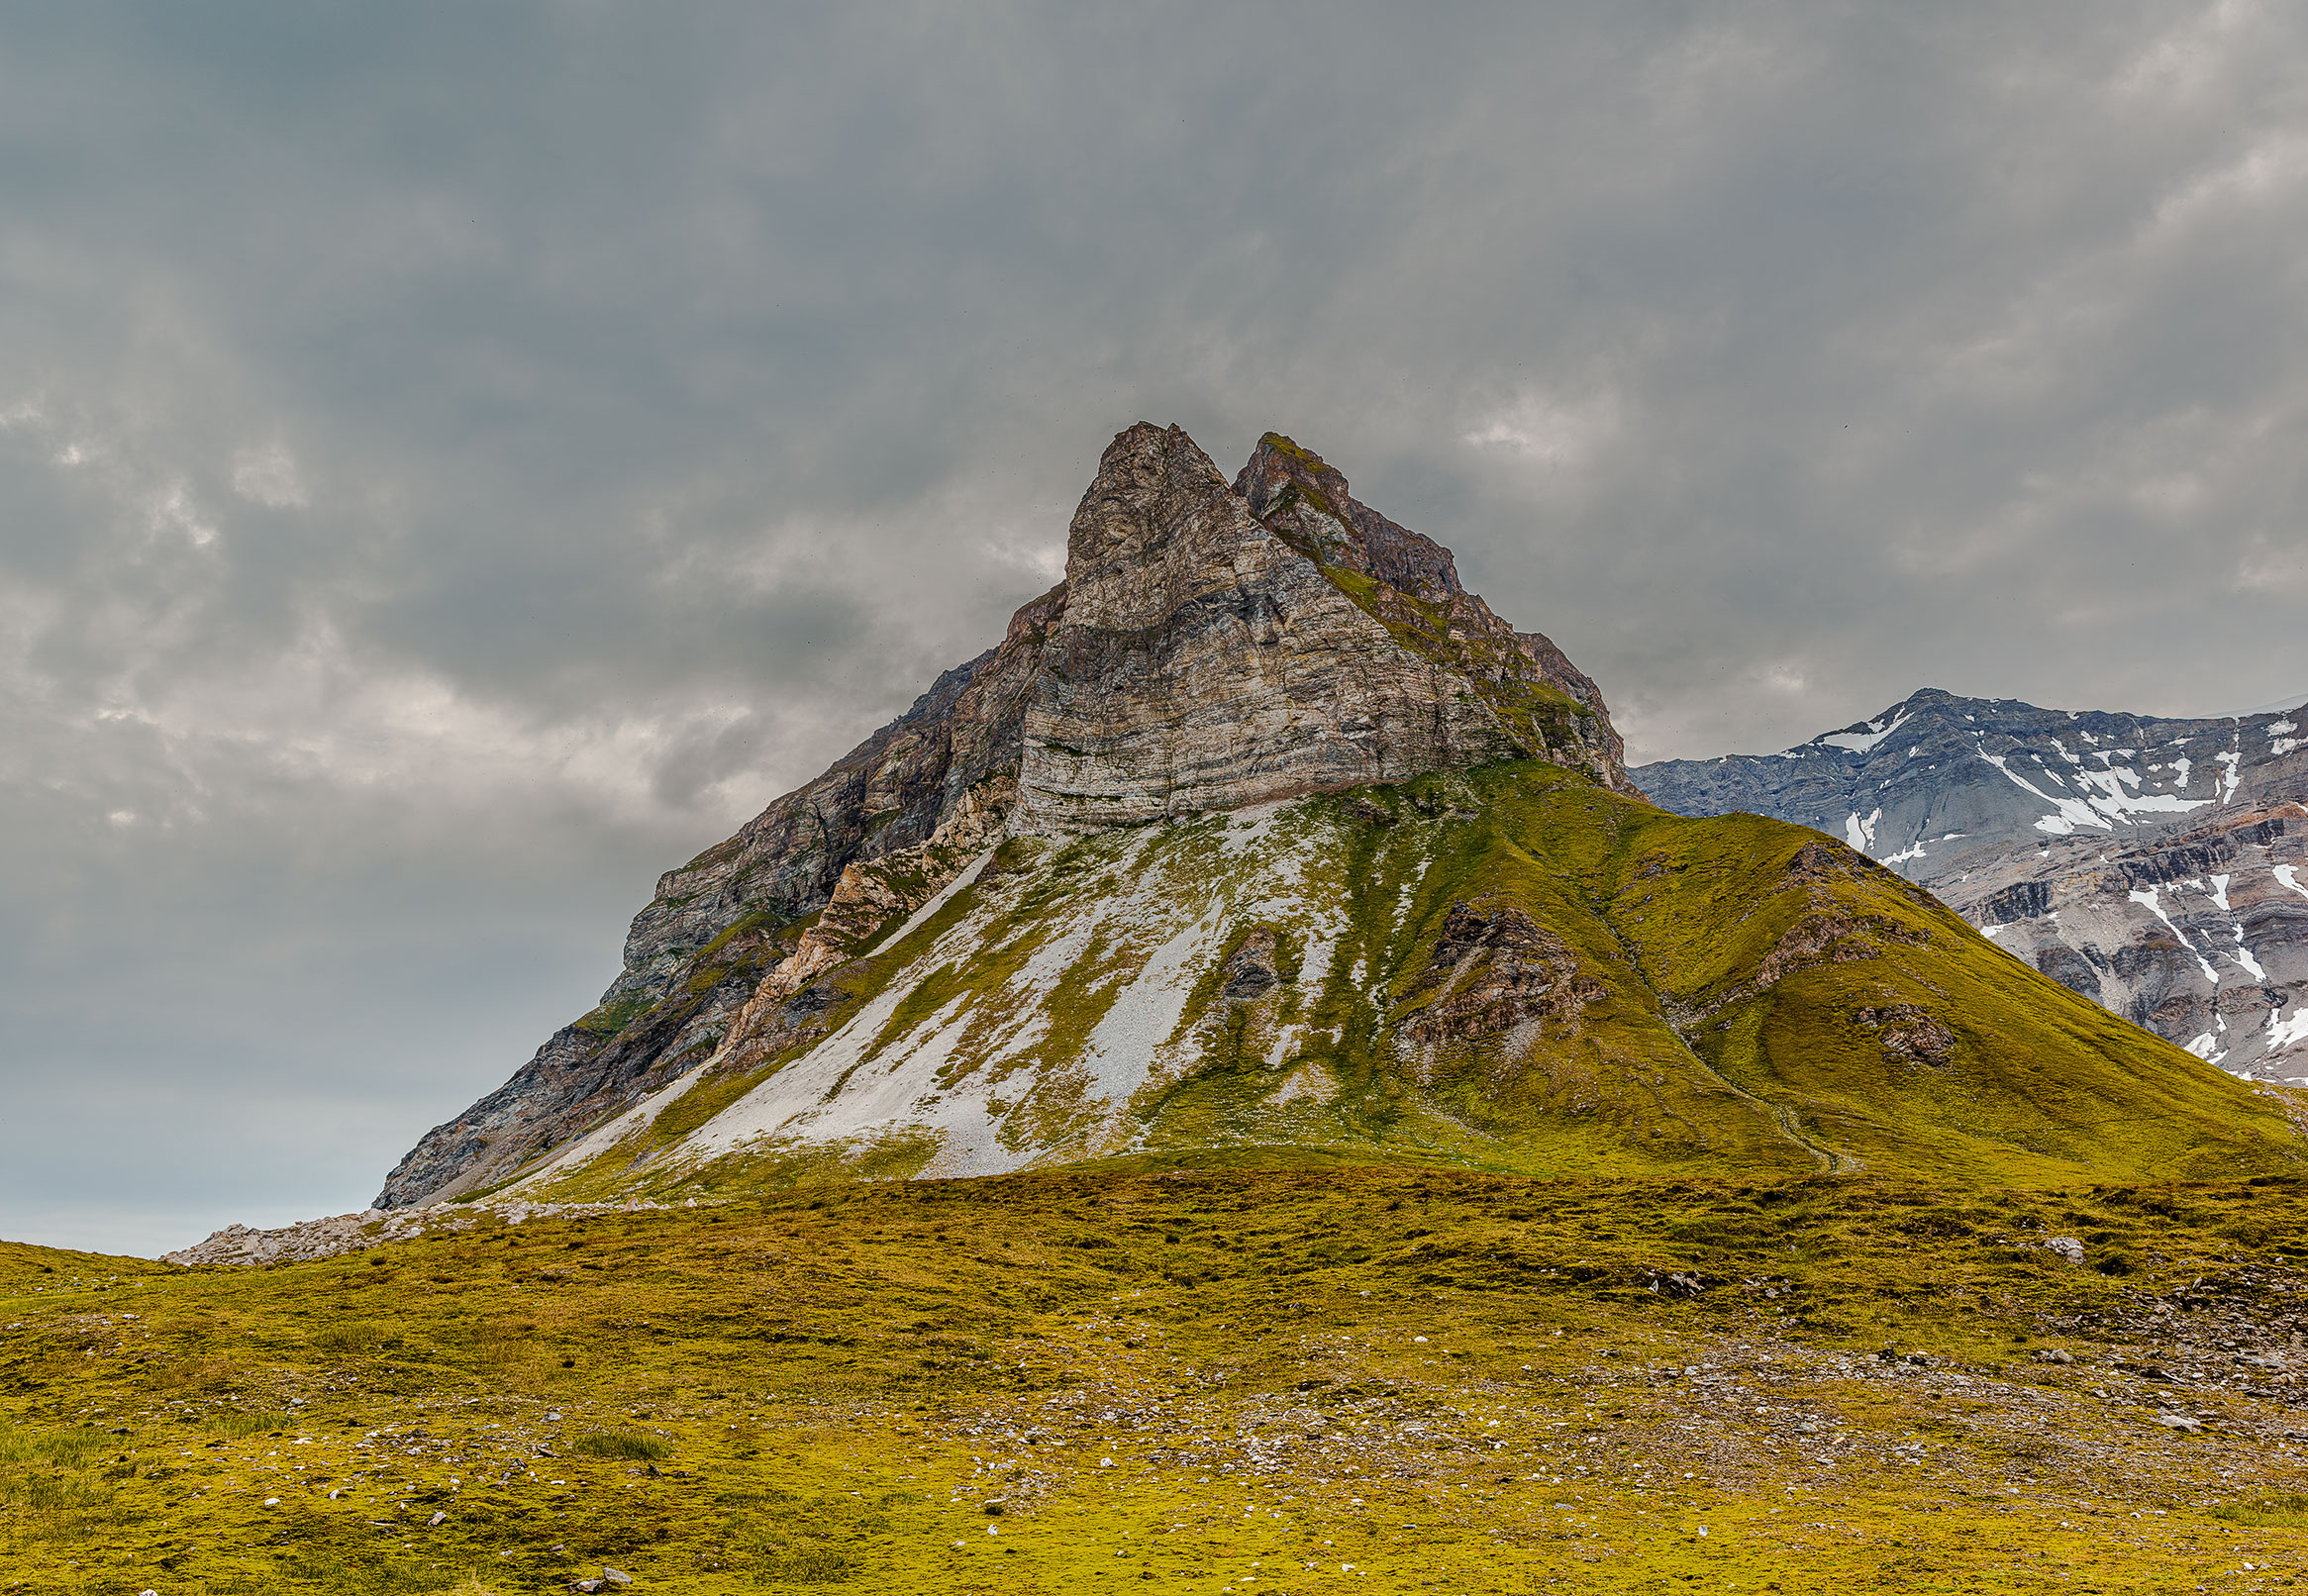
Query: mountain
x,y
1262,831
2158,866
1295,641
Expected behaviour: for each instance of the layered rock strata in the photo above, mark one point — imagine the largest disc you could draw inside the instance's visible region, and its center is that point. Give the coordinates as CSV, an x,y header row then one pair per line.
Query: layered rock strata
x,y
2158,866
1213,646
1209,658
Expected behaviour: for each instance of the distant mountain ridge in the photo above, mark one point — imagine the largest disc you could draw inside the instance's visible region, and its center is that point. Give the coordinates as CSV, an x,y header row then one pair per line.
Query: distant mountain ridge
x,y
2157,866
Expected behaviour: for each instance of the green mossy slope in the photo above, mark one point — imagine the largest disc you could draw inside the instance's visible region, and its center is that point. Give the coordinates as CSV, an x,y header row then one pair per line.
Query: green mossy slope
x,y
1510,969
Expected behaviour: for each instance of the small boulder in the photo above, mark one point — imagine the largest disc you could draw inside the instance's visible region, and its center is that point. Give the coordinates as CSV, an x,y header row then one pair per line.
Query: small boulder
x,y
2178,1421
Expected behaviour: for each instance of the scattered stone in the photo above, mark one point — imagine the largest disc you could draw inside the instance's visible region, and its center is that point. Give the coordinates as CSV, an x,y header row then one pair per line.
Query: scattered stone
x,y
351,1233
2053,1354
436,1520
2176,1421
615,1576
2067,1247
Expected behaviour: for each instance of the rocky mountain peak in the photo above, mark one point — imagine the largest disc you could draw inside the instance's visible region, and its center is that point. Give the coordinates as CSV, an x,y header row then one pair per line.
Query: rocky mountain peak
x,y
1213,646
1212,657
1287,485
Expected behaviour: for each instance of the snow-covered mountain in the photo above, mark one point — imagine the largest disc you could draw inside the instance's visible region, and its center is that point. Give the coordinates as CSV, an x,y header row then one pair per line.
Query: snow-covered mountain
x,y
2160,866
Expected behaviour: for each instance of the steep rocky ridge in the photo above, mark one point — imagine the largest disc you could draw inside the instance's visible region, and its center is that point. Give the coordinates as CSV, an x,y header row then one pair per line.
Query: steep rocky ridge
x,y
1410,585
1213,646
739,911
2158,866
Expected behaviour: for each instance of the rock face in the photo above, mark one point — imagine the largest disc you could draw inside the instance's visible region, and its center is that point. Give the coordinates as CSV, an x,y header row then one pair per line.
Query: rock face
x,y
1212,645
2158,866
1209,658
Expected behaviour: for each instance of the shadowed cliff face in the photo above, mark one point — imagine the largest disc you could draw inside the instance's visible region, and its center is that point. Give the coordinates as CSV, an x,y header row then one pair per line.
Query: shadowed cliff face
x,y
1213,646
723,922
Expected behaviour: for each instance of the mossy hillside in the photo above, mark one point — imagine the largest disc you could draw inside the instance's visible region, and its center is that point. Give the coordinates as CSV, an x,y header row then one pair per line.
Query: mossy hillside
x,y
1729,969
1182,1374
2040,1083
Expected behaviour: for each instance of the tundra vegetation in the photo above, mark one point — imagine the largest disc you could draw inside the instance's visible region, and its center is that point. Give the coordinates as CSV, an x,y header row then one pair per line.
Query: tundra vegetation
x,y
1243,1371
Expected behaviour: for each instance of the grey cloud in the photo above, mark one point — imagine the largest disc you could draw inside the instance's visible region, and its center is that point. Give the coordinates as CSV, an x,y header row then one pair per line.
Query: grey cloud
x,y
455,461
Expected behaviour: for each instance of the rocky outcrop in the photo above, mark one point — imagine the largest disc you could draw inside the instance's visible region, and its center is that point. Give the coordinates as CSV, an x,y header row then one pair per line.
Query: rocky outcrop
x,y
1211,658
1494,968
2199,933
1213,646
2158,866
1411,585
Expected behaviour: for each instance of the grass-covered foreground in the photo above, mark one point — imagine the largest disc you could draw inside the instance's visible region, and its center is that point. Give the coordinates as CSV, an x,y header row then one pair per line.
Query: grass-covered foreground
x,y
1221,1378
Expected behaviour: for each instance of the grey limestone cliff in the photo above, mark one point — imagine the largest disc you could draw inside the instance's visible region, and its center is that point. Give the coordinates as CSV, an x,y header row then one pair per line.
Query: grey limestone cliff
x,y
1211,658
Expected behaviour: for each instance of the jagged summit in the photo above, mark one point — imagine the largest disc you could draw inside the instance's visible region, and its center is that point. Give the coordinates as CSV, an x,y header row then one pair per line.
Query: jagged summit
x,y
1209,658
1212,645
1280,470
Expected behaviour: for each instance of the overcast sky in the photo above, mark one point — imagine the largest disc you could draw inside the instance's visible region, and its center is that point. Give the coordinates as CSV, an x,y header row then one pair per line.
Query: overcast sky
x,y
458,461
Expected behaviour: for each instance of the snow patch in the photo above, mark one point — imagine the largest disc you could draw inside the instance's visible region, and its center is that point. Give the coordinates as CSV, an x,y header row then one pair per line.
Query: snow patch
x,y
2283,1032
1863,741
1860,834
2245,957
